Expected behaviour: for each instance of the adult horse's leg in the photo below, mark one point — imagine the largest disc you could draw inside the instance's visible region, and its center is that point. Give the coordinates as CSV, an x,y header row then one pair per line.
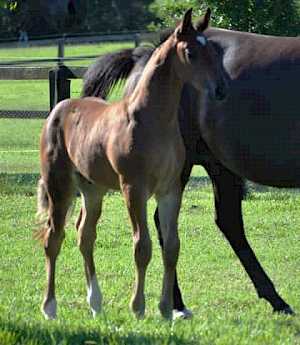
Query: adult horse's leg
x,y
86,226
180,310
136,200
168,211
228,194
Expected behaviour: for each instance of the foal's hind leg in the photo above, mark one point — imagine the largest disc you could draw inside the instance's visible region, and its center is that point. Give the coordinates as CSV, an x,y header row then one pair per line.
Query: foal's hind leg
x,y
168,210
59,202
136,201
179,308
228,195
90,213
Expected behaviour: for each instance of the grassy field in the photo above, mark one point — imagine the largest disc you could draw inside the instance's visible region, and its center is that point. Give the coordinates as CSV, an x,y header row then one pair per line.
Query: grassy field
x,y
215,287
226,308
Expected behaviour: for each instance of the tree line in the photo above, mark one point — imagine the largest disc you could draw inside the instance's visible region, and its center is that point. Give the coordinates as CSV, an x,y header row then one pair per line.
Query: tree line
x,y
274,17
42,17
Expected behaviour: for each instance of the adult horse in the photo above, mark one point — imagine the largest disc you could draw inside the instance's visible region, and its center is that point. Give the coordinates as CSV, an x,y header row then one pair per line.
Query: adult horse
x,y
253,134
133,145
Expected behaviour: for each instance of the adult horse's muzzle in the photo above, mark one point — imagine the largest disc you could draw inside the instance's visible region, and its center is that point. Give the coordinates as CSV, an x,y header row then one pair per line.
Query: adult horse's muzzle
x,y
216,91
220,92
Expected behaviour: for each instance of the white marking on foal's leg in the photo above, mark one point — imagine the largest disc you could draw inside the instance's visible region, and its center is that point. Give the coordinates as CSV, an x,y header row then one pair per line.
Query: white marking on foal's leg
x,y
182,314
49,309
94,297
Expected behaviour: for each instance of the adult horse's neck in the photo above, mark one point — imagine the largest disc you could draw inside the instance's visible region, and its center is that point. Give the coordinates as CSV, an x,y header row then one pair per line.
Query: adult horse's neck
x,y
157,94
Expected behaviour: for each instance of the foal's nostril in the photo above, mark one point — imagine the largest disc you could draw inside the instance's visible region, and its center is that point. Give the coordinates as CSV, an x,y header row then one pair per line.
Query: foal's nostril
x,y
220,93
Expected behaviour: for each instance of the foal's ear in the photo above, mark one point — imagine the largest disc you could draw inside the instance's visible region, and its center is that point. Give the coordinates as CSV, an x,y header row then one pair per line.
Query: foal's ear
x,y
203,23
186,23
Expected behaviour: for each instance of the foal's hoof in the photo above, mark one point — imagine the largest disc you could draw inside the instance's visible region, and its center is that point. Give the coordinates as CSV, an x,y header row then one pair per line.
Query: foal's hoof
x,y
287,310
49,309
184,314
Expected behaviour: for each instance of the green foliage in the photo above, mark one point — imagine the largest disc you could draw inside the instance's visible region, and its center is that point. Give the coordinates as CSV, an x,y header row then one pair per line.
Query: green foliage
x,y
117,15
169,12
11,5
276,17
89,16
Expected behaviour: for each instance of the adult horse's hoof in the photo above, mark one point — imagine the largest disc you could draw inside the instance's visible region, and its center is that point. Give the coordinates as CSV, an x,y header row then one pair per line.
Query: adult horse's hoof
x,y
287,310
184,314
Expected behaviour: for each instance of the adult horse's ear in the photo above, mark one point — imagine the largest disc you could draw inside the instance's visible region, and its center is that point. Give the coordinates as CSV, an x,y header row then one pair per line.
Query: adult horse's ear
x,y
203,23
186,23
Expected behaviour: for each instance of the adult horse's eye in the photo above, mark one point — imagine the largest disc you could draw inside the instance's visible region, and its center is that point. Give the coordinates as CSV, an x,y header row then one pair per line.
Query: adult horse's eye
x,y
191,54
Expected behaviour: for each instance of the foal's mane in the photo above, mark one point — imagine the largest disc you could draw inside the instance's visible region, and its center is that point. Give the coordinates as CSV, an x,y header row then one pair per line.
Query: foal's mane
x,y
157,60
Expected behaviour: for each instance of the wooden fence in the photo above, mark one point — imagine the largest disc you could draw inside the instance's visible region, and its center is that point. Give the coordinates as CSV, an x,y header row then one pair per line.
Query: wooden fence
x,y
59,77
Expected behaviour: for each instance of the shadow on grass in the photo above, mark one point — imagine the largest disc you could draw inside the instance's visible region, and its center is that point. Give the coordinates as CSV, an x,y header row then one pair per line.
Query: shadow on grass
x,y
24,184
253,190
20,333
257,191
198,182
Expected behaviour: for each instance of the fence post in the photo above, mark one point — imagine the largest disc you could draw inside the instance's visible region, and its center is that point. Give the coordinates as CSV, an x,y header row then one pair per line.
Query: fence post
x,y
61,51
59,85
137,40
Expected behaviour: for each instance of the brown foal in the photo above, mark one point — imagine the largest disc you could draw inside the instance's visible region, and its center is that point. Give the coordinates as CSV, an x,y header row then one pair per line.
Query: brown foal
x,y
134,145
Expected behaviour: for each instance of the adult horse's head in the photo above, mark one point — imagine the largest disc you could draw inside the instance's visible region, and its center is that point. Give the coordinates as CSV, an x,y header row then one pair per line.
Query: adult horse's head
x,y
199,63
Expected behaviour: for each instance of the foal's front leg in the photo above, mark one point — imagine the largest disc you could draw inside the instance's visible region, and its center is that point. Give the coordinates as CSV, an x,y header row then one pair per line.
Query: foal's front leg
x,y
136,201
179,308
168,210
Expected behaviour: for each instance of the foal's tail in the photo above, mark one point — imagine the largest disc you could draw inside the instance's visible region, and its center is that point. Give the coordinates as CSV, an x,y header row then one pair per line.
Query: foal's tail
x,y
109,69
42,200
42,211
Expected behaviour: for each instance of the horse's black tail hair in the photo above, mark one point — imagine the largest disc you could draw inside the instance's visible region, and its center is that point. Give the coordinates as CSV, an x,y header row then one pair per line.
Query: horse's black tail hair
x,y
108,70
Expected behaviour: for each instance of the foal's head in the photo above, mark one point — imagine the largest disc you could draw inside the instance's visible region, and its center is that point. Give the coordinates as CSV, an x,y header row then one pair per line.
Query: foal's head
x,y
197,60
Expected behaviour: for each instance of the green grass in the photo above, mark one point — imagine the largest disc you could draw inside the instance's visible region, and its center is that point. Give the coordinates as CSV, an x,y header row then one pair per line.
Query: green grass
x,y
226,308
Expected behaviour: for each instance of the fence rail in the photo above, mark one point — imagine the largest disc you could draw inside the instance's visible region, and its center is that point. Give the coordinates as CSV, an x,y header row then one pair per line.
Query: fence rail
x,y
23,114
23,63
59,76
39,73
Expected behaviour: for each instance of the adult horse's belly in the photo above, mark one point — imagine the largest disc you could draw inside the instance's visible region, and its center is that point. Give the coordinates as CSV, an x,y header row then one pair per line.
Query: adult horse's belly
x,y
256,132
